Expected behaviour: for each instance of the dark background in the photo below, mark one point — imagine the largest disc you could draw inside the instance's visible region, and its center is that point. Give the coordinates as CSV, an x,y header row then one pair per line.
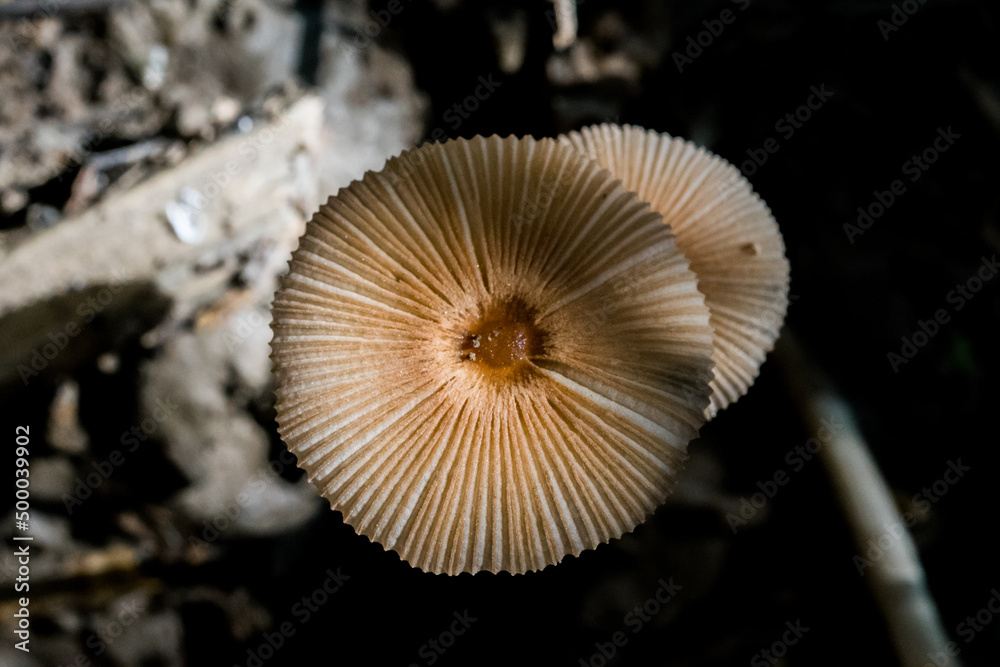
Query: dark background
x,y
852,303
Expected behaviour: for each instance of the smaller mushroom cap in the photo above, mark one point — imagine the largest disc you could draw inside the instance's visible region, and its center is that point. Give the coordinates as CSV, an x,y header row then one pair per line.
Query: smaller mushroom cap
x,y
725,230
490,355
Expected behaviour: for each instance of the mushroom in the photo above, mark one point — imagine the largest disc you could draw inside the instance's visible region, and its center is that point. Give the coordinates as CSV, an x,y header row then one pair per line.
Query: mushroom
x,y
490,355
725,230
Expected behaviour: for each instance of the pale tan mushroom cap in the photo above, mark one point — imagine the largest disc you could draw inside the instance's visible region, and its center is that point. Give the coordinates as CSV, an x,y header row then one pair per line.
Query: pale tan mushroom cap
x,y
725,230
490,355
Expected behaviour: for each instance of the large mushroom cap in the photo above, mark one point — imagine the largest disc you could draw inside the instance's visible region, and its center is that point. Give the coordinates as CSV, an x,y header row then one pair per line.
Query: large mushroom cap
x,y
725,230
490,355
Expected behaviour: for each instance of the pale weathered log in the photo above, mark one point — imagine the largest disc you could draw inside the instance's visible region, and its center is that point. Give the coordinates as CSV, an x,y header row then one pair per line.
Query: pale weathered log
x,y
246,187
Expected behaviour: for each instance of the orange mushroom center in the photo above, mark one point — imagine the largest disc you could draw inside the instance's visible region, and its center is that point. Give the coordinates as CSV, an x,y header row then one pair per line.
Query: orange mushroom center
x,y
502,339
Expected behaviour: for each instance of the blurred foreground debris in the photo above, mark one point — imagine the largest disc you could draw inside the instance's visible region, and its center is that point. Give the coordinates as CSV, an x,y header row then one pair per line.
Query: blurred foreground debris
x,y
158,163
566,23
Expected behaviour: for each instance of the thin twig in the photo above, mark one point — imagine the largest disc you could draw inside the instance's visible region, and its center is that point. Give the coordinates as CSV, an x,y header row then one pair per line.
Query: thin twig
x,y
896,577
